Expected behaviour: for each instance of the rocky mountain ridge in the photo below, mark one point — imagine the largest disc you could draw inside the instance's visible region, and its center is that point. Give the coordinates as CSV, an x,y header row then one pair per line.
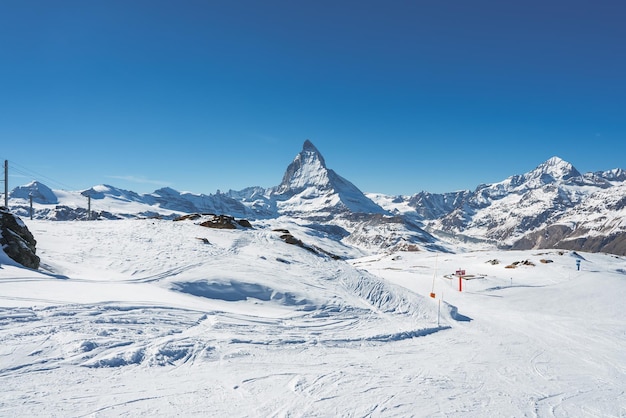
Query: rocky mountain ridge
x,y
553,205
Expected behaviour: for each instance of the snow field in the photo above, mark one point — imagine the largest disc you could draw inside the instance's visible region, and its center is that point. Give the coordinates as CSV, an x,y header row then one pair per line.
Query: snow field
x,y
143,318
548,331
182,303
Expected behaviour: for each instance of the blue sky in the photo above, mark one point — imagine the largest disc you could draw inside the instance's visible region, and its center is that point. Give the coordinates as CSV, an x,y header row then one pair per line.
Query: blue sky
x,y
398,96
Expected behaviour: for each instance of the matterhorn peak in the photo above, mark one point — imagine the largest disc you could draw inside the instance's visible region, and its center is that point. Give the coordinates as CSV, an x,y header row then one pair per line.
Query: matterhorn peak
x,y
310,153
307,169
308,147
308,186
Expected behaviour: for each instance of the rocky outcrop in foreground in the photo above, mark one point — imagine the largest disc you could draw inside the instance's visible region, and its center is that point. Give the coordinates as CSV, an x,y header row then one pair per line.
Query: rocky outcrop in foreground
x,y
16,240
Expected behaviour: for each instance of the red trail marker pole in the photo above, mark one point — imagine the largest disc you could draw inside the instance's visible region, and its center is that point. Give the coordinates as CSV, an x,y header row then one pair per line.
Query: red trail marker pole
x,y
460,283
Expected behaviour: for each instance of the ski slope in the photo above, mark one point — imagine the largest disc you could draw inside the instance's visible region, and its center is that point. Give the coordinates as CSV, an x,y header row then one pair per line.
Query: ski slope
x,y
161,318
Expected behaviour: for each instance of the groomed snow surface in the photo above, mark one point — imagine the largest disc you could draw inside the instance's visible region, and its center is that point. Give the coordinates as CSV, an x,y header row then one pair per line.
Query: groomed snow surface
x,y
162,318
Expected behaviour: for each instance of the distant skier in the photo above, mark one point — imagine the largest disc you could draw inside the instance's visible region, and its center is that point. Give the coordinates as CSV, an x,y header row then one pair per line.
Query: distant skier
x,y
578,264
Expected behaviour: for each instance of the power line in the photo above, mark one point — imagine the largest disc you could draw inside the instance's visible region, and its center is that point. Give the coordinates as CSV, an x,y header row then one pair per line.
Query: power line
x,y
25,171
32,173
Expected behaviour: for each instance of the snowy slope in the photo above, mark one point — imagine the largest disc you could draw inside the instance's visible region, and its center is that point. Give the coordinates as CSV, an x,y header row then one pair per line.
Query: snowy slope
x,y
150,300
160,318
537,341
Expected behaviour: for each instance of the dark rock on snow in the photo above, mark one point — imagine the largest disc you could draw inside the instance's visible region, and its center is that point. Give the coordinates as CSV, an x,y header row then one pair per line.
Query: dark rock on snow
x,y
211,220
16,240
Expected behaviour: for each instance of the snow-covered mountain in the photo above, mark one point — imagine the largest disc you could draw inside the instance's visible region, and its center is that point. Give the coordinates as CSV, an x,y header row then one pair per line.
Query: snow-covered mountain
x,y
316,194
109,202
553,205
309,191
596,224
310,188
39,192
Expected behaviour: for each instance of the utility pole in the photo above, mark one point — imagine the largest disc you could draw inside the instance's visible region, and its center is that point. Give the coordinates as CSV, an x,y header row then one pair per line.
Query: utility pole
x,y
88,207
6,184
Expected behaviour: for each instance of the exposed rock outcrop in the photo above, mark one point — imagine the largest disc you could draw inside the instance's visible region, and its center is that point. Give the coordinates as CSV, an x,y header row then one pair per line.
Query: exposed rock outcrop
x,y
290,239
211,220
17,241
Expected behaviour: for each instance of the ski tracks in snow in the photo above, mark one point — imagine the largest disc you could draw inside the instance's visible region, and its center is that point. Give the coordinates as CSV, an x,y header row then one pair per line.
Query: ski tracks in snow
x,y
304,336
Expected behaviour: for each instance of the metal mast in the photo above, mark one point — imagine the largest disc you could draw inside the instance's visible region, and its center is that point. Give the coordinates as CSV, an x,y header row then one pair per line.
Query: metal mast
x,y
6,183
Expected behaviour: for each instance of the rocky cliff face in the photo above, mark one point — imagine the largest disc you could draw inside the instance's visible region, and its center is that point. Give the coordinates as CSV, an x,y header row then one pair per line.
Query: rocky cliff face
x,y
16,240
